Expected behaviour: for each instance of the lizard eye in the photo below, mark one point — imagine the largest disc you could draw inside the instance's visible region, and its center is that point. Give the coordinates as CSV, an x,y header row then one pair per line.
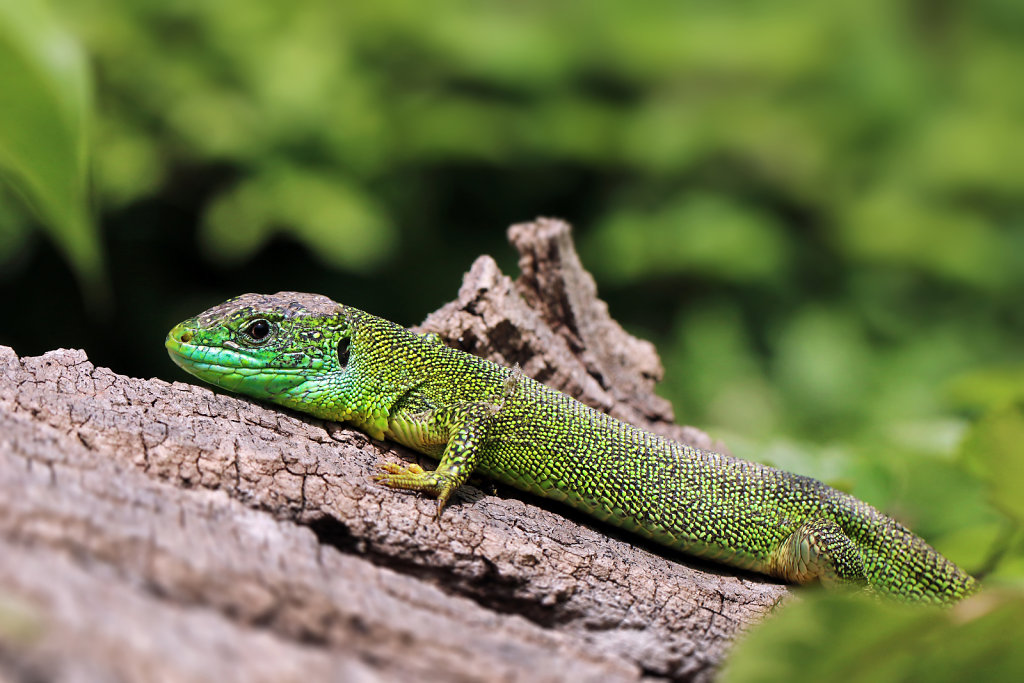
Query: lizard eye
x,y
258,330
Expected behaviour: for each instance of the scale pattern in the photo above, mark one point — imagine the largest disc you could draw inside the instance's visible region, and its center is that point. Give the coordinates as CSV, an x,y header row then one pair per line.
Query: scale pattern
x,y
339,363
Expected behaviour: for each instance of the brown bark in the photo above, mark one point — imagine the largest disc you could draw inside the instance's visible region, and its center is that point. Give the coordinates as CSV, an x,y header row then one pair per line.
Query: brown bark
x,y
155,531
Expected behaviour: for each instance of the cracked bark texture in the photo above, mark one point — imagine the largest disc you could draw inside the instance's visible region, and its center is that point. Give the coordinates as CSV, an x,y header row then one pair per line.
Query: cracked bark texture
x,y
156,531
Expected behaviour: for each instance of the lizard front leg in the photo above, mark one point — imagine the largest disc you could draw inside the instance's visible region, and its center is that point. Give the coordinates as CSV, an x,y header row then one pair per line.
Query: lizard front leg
x,y
465,426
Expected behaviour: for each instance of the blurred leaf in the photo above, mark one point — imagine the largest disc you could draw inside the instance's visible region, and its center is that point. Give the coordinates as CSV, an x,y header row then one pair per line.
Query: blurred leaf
x,y
897,225
45,105
972,545
695,233
720,381
987,146
994,451
987,389
340,224
938,497
823,360
828,637
128,167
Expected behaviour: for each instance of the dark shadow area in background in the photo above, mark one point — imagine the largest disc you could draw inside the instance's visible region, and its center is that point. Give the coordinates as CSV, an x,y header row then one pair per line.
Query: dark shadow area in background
x,y
445,218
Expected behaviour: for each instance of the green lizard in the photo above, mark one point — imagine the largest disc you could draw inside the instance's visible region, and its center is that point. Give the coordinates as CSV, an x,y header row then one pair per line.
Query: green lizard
x,y
306,352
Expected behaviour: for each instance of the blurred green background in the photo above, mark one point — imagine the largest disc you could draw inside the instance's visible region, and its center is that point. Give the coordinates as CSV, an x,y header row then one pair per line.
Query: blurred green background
x,y
815,210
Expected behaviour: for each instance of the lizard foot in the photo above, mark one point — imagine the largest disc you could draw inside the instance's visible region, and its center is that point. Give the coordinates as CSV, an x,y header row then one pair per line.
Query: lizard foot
x,y
415,478
395,468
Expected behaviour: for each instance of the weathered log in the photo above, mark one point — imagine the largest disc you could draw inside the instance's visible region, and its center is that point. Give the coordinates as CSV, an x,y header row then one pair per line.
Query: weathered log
x,y
156,531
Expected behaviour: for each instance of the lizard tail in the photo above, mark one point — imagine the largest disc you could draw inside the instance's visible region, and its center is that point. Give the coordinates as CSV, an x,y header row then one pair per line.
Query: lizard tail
x,y
902,564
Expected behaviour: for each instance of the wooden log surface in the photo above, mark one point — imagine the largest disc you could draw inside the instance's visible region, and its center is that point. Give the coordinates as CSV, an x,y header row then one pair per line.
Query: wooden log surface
x,y
155,531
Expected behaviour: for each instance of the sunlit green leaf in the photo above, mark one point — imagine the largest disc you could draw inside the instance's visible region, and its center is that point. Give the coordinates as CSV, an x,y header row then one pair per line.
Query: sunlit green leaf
x,y
987,388
45,107
994,450
695,233
340,224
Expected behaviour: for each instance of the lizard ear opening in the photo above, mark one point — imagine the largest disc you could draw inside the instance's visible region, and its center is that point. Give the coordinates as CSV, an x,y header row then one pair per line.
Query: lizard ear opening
x,y
343,352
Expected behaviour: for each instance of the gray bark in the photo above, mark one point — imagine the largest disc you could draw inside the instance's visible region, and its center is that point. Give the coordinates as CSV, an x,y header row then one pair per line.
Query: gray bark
x,y
155,531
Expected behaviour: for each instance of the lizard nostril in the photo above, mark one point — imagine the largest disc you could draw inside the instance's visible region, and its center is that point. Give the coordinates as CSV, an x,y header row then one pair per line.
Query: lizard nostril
x,y
185,337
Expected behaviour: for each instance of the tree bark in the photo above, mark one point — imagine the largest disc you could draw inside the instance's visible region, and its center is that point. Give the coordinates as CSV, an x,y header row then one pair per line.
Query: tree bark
x,y
156,531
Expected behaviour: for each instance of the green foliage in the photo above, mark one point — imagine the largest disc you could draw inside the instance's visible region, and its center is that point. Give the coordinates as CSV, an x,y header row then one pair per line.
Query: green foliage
x,y
45,106
313,208
815,209
826,637
987,388
696,233
849,110
993,451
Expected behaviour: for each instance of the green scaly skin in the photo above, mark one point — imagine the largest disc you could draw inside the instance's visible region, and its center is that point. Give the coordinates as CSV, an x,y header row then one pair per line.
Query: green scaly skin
x,y
308,353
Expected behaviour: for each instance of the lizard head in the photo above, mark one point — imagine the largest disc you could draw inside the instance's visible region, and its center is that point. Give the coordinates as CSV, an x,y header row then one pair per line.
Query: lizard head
x,y
285,347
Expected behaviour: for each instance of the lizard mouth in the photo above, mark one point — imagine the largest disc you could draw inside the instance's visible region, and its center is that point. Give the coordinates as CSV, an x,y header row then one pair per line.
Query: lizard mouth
x,y
204,362
229,368
215,364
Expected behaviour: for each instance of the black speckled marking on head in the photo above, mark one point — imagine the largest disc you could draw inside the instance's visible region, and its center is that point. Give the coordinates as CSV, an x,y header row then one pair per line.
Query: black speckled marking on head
x,y
287,304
